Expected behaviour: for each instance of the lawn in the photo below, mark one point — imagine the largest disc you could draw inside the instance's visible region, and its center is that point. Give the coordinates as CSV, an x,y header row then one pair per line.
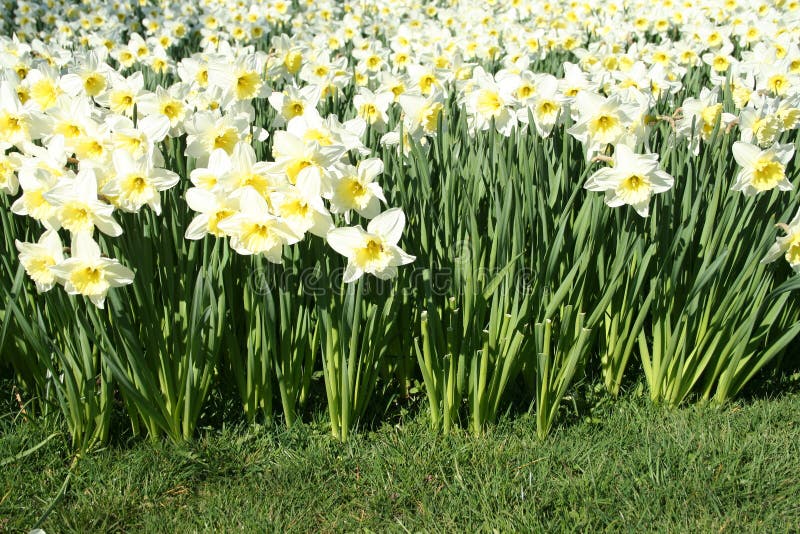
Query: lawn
x,y
630,466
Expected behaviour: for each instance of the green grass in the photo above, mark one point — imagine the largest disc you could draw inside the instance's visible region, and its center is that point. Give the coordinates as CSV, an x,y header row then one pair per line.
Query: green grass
x,y
637,467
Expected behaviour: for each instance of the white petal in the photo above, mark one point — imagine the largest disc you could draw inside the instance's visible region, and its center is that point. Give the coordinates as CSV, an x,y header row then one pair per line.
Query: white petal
x,y
84,247
346,240
155,127
745,154
369,169
388,225
352,273
198,228
117,274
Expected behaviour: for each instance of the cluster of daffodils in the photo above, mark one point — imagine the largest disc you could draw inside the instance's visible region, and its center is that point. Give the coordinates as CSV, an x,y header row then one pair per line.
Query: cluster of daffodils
x,y
262,206
84,141
90,93
71,164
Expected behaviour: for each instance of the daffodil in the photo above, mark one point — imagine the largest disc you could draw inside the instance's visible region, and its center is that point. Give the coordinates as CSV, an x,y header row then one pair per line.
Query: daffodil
x,y
422,113
601,121
9,183
294,102
700,117
43,86
720,60
19,124
631,179
761,170
77,207
245,170
393,83
171,103
777,79
320,70
788,245
373,251
212,207
301,206
194,70
37,258
293,156
88,273
136,182
89,77
254,230
242,78
425,79
545,107
574,82
123,94
215,174
35,184
759,125
355,188
288,54
141,140
207,131
372,107
491,101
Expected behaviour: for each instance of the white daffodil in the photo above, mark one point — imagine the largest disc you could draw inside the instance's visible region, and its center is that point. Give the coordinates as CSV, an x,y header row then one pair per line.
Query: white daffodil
x,y
373,251
404,143
355,188
700,117
9,183
294,102
490,100
171,103
37,258
142,140
759,125
92,148
427,79
372,107
19,124
788,245
575,81
88,78
254,230
43,86
397,84
242,78
761,170
71,118
212,207
320,69
215,174
546,106
329,131
35,184
421,113
123,93
301,206
77,207
207,131
293,156
136,182
246,171
288,57
601,121
88,273
632,179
